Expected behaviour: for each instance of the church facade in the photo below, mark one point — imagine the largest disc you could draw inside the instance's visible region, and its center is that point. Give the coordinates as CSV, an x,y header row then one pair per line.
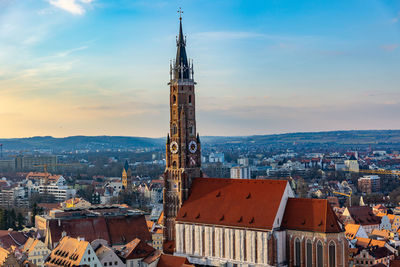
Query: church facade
x,y
236,222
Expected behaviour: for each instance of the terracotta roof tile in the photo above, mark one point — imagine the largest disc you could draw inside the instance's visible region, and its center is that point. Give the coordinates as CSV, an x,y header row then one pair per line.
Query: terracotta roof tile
x,y
136,249
233,202
363,215
115,230
69,252
3,255
307,214
173,261
351,230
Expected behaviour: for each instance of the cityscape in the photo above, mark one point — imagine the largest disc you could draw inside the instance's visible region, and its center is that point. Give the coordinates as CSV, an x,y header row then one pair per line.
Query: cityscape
x,y
248,173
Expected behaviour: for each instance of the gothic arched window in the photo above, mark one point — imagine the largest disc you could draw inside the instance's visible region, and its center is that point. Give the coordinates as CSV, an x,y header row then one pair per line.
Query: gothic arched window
x,y
297,254
190,99
320,254
309,253
174,129
332,254
174,99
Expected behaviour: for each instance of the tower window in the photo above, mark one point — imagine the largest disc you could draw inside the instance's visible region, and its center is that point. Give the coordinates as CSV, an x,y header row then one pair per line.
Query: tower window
x,y
174,99
190,99
174,129
174,165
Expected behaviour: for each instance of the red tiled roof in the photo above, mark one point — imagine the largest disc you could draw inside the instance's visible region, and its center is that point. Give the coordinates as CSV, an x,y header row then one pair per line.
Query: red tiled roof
x,y
172,261
123,229
363,215
307,214
115,230
13,238
136,249
233,202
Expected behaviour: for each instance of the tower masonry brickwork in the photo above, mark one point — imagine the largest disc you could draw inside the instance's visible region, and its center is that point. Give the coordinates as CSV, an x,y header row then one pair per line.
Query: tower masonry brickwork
x,y
183,148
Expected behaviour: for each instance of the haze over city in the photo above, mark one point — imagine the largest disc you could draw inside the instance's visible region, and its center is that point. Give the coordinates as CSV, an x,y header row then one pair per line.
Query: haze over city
x,y
95,67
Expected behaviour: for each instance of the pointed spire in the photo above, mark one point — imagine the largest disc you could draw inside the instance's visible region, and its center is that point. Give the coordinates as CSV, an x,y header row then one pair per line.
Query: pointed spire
x,y
126,166
198,138
181,61
168,140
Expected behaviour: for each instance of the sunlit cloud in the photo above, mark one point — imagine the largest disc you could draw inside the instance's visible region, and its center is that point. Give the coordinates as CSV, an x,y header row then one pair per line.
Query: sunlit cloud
x,y
76,7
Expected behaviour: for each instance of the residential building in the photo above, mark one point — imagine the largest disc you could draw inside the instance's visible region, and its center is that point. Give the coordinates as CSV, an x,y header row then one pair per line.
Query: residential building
x,y
241,172
352,164
36,251
7,258
35,162
362,215
60,193
108,257
216,157
369,184
134,252
354,231
73,252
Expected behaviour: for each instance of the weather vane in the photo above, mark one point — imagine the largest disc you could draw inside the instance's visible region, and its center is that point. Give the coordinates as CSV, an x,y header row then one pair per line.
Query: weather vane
x,y
180,13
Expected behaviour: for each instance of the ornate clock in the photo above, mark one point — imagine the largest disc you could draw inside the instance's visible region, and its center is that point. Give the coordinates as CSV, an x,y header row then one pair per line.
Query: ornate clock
x,y
192,147
174,147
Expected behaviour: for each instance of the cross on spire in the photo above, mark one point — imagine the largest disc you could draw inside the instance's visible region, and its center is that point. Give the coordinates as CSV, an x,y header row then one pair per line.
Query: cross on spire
x,y
180,13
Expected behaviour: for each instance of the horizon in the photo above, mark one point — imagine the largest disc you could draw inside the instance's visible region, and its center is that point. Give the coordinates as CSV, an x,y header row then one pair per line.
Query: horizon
x,y
228,136
95,68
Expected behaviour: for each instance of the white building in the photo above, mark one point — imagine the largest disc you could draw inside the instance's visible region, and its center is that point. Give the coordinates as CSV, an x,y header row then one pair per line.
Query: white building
x,y
60,193
241,172
243,161
107,257
36,251
216,157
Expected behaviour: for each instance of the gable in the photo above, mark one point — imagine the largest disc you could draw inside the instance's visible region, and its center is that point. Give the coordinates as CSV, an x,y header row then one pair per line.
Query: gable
x,y
314,215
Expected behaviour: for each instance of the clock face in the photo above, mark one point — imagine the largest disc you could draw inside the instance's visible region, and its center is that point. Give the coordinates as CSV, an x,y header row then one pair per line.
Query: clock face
x,y
192,147
174,147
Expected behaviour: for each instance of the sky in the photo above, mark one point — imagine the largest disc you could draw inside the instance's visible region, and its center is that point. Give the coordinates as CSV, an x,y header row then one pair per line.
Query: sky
x,y
101,67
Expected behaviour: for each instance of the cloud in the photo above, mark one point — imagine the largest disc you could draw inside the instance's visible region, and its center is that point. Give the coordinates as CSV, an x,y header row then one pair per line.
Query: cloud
x,y
76,7
68,52
390,47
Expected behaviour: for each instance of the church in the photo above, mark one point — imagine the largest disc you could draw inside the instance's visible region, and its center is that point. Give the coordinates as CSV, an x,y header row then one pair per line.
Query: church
x,y
236,222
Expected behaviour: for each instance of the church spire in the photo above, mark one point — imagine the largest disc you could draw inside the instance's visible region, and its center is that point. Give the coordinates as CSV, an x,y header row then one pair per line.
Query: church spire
x,y
181,66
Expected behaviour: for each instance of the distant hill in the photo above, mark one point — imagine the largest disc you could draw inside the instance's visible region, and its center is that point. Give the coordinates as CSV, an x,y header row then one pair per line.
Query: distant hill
x,y
80,143
102,143
338,137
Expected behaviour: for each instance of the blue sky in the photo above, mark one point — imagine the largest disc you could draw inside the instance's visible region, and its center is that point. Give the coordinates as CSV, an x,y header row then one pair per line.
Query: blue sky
x,y
94,67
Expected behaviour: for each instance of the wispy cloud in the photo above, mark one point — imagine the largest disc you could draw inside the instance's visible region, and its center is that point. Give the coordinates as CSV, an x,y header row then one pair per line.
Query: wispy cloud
x,y
76,7
70,51
390,47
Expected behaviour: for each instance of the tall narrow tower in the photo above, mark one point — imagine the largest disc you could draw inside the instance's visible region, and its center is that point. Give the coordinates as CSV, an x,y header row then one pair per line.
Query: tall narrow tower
x,y
183,157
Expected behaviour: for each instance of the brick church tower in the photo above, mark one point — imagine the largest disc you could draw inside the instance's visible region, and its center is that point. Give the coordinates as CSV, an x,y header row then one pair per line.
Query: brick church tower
x,y
183,156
